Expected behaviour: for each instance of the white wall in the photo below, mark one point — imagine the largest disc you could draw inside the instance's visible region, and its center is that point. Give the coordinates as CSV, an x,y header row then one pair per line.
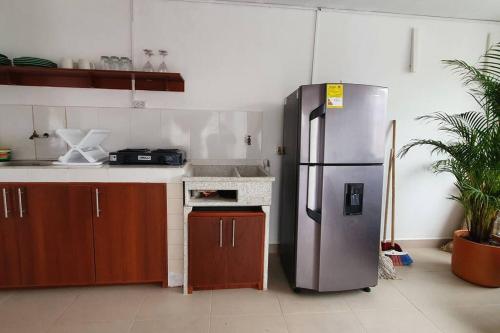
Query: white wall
x,y
201,134
248,58
375,49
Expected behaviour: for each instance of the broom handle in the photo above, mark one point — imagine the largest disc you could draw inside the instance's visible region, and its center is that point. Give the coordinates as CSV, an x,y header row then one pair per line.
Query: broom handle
x,y
393,183
387,191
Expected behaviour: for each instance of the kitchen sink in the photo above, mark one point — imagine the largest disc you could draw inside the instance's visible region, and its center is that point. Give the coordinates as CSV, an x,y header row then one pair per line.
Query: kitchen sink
x,y
214,171
251,171
227,185
227,171
22,163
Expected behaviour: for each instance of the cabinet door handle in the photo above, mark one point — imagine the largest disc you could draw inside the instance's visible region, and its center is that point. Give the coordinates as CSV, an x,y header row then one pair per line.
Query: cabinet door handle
x,y
220,233
20,198
5,207
97,208
234,229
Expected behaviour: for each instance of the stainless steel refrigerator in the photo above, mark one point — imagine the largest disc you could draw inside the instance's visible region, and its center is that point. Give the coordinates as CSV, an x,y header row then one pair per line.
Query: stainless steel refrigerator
x,y
331,190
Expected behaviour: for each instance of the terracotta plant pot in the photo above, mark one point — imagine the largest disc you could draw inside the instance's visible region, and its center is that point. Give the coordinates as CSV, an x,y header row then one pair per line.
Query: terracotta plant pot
x,y
474,262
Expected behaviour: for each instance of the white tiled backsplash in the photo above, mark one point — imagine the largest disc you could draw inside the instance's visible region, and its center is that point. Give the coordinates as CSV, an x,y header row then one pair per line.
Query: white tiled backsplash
x,y
202,134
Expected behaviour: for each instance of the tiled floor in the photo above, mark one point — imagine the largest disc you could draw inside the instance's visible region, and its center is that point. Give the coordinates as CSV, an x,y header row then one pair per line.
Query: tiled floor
x,y
428,298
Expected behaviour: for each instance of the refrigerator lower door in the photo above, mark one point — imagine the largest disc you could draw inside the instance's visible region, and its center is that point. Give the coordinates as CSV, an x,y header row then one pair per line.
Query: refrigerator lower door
x,y
350,227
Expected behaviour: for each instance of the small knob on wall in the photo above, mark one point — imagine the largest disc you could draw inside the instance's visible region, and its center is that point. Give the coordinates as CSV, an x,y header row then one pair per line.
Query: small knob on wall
x,y
34,135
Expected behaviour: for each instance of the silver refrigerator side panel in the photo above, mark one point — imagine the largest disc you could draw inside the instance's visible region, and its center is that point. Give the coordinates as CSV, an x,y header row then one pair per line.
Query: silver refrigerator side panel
x,y
289,186
353,134
348,256
308,238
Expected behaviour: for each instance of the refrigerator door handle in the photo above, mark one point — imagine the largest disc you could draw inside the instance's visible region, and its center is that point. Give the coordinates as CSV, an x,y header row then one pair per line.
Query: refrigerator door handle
x,y
314,192
317,135
315,172
318,112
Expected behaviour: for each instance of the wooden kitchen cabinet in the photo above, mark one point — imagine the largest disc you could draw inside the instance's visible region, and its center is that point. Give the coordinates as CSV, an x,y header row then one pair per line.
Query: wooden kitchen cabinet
x,y
245,255
10,263
226,249
207,253
129,232
56,234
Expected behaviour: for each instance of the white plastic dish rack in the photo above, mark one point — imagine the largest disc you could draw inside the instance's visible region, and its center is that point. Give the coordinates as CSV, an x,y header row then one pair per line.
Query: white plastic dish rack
x,y
85,146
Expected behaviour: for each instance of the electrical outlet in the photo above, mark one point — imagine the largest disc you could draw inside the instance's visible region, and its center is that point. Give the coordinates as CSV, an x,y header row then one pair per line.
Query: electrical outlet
x,y
139,104
280,150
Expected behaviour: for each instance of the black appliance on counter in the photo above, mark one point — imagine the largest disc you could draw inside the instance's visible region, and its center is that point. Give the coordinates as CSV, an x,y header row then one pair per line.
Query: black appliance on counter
x,y
146,156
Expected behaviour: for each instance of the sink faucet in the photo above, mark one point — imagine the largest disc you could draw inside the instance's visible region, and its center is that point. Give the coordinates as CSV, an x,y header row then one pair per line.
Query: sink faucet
x,y
35,135
266,164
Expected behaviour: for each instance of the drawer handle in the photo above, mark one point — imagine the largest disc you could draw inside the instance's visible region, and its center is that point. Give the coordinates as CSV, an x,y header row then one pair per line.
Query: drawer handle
x,y
5,207
234,229
20,198
97,208
220,233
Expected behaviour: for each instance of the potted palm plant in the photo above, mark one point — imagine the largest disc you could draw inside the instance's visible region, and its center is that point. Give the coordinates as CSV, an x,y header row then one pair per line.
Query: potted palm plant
x,y
472,156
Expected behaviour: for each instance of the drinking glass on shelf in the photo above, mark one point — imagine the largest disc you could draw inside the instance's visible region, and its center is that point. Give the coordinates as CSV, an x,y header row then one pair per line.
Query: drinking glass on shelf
x,y
163,66
148,67
125,64
104,63
114,63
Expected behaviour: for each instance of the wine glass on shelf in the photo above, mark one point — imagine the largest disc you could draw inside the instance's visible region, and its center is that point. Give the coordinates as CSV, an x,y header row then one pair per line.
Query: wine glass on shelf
x,y
163,66
148,67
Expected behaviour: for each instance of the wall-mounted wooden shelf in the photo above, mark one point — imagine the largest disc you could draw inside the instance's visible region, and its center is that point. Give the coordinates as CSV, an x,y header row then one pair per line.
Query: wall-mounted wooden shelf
x,y
90,78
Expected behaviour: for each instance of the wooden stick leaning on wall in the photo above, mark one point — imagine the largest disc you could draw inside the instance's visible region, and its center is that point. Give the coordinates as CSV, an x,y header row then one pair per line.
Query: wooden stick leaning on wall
x,y
387,193
394,251
393,183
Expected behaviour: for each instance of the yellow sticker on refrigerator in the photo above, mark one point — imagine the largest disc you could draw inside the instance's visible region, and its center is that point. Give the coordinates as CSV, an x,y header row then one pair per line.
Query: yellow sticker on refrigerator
x,y
334,96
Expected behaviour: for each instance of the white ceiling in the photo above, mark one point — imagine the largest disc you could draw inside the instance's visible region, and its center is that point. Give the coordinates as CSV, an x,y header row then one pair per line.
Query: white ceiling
x,y
468,9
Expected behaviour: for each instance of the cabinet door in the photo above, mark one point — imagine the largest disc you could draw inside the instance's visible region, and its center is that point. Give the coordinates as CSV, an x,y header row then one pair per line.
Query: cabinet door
x,y
55,234
245,253
10,265
207,252
129,232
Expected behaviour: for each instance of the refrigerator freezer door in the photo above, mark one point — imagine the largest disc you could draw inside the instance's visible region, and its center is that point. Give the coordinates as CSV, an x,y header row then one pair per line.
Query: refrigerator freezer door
x,y
356,133
350,227
353,134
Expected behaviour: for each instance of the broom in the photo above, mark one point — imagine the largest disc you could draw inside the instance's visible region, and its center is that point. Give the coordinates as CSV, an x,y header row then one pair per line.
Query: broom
x,y
392,249
384,244
386,268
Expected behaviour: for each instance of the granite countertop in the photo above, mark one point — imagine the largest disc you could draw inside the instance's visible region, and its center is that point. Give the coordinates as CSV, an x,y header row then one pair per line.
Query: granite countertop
x,y
227,173
101,173
44,164
46,172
